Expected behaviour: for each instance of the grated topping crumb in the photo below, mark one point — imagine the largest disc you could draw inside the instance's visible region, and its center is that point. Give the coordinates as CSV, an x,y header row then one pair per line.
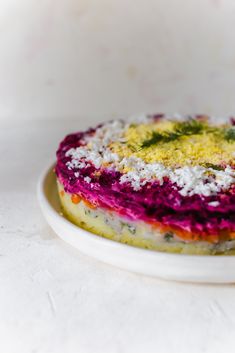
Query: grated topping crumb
x,y
190,179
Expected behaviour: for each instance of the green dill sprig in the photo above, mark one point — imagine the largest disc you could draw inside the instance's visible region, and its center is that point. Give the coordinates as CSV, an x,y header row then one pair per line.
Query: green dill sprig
x,y
229,134
157,137
186,128
190,127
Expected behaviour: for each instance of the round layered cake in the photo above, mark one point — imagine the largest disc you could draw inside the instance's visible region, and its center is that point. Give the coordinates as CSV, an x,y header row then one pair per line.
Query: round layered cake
x,y
160,182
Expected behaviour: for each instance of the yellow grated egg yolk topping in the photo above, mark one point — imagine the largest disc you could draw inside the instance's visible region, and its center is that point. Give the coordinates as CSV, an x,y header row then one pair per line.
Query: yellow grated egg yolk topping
x,y
165,142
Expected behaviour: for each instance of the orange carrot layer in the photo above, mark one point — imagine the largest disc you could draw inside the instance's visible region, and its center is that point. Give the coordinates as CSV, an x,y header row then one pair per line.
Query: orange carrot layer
x,y
75,198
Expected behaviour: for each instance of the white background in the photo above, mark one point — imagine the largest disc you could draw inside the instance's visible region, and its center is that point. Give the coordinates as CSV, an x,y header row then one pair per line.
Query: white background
x,y
66,64
70,58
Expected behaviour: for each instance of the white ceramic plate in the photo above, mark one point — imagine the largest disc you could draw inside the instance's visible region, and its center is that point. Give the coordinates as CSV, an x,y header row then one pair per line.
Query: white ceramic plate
x,y
180,267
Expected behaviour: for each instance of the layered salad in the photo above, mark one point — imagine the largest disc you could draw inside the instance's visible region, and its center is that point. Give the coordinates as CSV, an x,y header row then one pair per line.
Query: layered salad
x,y
165,183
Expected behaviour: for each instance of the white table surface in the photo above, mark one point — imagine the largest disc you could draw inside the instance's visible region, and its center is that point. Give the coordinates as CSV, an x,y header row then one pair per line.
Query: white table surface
x,y
54,299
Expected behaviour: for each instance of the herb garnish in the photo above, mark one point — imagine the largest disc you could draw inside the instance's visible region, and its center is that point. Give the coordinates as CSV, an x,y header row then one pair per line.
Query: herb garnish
x,y
157,137
186,128
190,127
230,134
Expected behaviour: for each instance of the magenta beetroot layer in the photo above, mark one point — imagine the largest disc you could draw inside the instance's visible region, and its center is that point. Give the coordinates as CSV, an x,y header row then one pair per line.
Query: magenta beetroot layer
x,y
176,174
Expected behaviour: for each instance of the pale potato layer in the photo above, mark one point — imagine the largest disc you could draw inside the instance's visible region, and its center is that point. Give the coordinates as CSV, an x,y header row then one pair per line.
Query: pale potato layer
x,y
138,233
